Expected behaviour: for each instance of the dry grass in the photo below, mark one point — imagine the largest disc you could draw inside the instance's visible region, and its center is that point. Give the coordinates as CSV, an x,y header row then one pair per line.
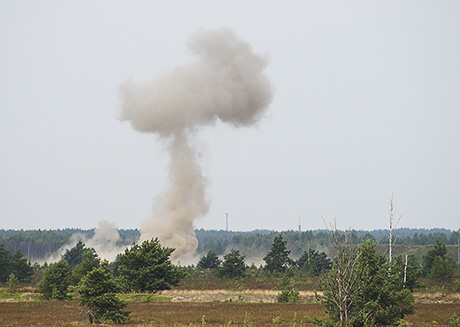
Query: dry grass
x,y
191,306
68,313
248,296
256,280
436,297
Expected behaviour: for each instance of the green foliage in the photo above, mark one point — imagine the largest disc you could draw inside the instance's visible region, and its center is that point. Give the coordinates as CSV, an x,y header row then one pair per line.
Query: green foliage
x,y
88,263
442,269
376,296
439,249
36,243
457,285
289,293
327,321
98,292
277,259
5,264
22,269
13,283
454,321
74,256
55,281
436,265
382,299
233,265
146,267
209,261
413,272
314,263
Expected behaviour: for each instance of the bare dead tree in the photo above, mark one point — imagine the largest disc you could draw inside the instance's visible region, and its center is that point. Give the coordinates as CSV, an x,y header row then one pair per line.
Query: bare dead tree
x,y
391,241
405,271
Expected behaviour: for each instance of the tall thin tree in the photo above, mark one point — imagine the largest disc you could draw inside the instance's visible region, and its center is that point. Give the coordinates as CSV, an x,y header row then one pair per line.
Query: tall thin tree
x,y
391,241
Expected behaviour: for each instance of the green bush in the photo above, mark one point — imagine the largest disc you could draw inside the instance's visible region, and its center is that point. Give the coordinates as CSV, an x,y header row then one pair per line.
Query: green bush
x,y
13,283
457,285
146,267
98,292
454,321
55,281
288,296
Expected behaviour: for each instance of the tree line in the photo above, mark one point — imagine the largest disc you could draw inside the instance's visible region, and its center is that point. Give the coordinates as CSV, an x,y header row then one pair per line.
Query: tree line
x,y
38,244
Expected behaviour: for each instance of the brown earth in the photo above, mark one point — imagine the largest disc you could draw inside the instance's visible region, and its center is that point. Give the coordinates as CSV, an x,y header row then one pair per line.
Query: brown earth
x,y
215,313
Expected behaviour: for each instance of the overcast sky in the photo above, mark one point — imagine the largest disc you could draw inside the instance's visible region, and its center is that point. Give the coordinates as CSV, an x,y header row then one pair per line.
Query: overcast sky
x,y
366,104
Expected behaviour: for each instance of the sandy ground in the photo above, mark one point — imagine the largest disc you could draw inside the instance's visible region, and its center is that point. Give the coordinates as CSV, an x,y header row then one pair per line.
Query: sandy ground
x,y
249,296
269,296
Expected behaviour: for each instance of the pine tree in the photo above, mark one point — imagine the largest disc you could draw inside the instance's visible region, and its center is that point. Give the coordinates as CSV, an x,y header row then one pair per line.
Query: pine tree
x,y
374,294
98,292
13,283
209,261
21,267
147,267
55,281
442,269
88,263
74,256
439,249
277,259
5,264
314,263
233,265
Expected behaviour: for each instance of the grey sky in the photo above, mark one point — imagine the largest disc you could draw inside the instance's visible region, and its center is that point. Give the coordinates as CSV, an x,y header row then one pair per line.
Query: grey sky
x,y
366,104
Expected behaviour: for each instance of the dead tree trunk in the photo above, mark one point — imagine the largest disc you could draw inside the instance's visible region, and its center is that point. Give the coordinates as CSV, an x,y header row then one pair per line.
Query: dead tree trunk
x,y
391,241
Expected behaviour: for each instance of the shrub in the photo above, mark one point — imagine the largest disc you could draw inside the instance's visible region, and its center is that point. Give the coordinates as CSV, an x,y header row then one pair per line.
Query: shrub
x,y
454,321
98,292
147,267
457,285
288,296
13,283
55,281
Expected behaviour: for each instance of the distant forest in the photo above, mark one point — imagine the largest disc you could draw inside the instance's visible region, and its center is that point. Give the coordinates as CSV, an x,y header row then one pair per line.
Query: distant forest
x,y
38,244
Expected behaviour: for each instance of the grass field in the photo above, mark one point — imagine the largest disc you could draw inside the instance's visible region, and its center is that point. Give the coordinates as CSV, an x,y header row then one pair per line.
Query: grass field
x,y
168,314
199,301
186,307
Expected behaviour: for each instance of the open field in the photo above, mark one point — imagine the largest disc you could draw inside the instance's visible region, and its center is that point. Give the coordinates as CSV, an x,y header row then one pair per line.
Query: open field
x,y
211,308
198,301
168,314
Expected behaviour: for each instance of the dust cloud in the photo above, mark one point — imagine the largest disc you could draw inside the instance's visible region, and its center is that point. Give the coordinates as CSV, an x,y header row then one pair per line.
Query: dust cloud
x,y
225,83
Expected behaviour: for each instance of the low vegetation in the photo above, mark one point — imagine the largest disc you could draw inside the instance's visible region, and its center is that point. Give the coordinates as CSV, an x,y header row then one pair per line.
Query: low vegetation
x,y
353,285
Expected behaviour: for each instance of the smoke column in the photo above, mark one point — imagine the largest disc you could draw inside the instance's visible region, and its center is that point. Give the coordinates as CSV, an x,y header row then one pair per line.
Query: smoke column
x,y
104,242
226,83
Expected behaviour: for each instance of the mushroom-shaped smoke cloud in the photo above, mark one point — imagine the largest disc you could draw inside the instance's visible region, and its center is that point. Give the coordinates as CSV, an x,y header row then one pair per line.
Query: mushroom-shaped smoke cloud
x,y
225,83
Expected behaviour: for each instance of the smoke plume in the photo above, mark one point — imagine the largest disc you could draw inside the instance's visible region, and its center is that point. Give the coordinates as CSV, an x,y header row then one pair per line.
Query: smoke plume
x,y
104,241
226,83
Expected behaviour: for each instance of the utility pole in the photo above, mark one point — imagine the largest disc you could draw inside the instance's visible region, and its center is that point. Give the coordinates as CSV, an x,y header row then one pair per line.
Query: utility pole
x,y
300,226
